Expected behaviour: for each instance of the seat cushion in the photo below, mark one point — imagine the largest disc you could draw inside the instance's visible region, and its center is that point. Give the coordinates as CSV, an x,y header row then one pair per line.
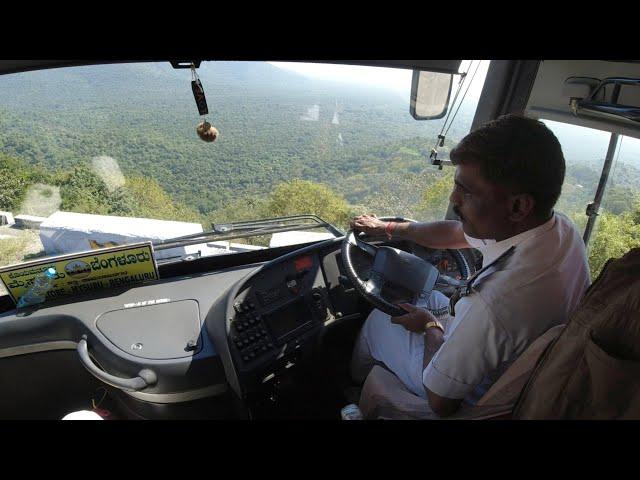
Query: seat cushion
x,y
384,396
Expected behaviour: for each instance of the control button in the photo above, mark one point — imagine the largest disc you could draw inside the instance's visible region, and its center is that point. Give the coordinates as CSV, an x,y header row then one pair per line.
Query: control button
x,y
264,348
239,327
246,342
270,345
252,305
252,321
263,331
252,354
246,358
258,334
251,338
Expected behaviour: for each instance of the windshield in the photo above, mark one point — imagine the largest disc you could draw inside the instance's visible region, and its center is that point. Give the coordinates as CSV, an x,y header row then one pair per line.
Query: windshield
x,y
105,155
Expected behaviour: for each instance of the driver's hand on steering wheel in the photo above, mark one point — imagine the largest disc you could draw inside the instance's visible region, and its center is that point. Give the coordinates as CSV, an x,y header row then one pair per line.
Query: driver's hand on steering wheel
x,y
368,224
415,320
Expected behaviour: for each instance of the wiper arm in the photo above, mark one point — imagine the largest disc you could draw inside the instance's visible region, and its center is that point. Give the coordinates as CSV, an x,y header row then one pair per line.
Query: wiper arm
x,y
232,231
270,221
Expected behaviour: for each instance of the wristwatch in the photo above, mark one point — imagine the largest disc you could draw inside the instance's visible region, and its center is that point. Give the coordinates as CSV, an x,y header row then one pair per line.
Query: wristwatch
x,y
433,324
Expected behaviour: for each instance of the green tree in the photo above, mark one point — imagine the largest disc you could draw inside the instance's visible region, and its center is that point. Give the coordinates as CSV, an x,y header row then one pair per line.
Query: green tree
x,y
84,192
151,201
248,207
14,179
614,236
301,196
435,198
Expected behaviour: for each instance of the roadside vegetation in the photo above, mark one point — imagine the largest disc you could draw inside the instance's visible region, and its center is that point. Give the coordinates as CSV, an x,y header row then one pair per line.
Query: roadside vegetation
x,y
422,196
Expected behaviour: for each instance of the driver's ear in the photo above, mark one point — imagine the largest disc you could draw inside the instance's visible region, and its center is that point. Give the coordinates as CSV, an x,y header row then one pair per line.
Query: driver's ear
x,y
520,206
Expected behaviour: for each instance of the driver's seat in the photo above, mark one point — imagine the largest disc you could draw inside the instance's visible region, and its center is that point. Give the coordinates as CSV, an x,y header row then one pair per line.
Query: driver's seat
x,y
384,396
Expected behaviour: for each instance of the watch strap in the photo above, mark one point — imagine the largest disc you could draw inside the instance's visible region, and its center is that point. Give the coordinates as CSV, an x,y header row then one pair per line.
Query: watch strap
x,y
433,324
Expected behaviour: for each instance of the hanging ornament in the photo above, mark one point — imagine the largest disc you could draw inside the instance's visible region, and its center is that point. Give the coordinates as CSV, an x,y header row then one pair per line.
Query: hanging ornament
x,y
205,130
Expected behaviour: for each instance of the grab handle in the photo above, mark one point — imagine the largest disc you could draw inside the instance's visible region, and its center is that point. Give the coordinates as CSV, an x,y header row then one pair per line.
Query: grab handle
x,y
145,376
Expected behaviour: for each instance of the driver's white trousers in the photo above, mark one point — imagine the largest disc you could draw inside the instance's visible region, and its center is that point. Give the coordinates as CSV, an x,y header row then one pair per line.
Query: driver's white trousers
x,y
400,350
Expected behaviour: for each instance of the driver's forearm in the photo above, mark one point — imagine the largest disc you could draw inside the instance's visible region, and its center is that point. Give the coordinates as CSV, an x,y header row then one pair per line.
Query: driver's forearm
x,y
433,340
442,234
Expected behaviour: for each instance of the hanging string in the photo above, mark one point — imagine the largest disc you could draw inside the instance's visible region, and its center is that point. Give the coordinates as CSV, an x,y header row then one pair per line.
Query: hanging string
x,y
463,96
93,401
463,77
196,78
443,133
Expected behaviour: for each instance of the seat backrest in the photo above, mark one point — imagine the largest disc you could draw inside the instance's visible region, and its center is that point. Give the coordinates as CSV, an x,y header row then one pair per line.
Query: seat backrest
x,y
592,371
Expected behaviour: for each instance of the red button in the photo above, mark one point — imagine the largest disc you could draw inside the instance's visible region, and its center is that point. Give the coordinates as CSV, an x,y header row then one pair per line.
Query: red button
x,y
303,262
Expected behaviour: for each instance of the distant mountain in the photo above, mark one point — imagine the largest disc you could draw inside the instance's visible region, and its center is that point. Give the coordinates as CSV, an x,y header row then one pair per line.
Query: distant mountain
x,y
589,146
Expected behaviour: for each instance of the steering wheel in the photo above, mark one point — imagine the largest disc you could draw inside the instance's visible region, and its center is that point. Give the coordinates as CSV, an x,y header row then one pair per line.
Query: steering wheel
x,y
396,276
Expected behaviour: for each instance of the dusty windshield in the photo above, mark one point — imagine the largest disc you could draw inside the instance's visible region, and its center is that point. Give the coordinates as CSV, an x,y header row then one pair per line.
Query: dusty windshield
x,y
105,155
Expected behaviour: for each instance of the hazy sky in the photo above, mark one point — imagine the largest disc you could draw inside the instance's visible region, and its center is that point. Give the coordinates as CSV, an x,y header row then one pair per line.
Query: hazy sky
x,y
395,79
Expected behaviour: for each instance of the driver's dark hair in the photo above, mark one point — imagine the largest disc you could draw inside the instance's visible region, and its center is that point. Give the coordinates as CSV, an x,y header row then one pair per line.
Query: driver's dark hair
x,y
518,153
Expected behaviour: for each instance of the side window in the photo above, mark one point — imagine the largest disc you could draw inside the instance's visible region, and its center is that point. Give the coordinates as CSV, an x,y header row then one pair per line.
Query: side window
x,y
617,227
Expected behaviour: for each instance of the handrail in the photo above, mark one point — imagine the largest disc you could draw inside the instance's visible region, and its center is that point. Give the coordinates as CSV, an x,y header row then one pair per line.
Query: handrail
x,y
612,108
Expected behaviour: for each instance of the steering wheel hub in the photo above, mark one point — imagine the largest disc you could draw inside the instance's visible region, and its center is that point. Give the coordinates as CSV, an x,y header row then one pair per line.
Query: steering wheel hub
x,y
396,276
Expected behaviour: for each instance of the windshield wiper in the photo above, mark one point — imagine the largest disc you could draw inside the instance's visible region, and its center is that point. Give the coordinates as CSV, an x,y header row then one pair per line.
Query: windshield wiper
x,y
230,231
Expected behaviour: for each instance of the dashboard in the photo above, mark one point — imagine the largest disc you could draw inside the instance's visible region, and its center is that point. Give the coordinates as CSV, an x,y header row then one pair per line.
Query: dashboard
x,y
202,335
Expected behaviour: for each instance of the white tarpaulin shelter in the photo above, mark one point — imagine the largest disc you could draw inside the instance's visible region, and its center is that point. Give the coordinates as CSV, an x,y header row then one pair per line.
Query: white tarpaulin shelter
x,y
67,232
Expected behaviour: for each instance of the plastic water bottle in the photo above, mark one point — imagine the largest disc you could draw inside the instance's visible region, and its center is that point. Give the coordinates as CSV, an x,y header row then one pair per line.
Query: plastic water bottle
x,y
351,412
37,293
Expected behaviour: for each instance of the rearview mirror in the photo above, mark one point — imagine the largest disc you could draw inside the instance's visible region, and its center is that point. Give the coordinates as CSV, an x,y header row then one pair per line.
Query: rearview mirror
x,y
430,92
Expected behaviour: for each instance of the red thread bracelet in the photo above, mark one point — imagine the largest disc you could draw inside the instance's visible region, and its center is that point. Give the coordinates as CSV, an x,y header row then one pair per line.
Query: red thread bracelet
x,y
391,226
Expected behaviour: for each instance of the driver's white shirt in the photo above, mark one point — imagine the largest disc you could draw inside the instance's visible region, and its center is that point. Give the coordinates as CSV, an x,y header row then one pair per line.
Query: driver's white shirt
x,y
536,288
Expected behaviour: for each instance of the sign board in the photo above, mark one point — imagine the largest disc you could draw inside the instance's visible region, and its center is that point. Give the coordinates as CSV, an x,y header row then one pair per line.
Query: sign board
x,y
83,272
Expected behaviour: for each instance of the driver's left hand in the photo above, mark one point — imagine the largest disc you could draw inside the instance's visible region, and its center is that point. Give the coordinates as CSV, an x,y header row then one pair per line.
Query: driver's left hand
x,y
415,320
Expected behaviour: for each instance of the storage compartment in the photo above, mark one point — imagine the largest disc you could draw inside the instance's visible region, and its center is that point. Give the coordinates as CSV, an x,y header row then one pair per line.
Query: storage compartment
x,y
158,332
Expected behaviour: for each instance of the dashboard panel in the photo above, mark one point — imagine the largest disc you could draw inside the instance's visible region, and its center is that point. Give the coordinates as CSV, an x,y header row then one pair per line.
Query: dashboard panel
x,y
202,334
274,306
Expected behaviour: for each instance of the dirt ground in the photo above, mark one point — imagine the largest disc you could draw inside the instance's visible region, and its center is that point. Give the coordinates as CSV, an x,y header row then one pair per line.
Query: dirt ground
x,y
18,245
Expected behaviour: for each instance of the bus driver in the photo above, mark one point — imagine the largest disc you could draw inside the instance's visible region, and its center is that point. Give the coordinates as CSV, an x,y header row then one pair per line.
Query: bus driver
x,y
508,177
